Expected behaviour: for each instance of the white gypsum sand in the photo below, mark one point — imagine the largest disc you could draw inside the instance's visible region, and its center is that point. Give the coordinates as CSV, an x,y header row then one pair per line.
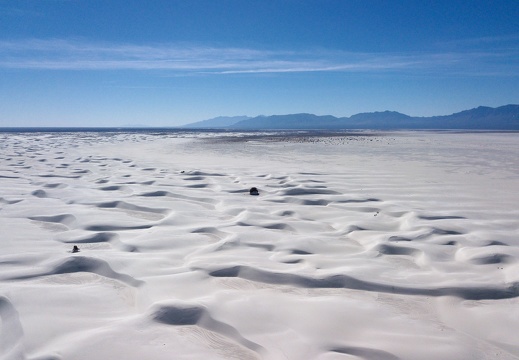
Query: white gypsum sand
x,y
359,246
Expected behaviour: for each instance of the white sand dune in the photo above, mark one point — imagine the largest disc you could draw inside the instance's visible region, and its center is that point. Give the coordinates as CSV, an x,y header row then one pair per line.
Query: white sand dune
x,y
359,246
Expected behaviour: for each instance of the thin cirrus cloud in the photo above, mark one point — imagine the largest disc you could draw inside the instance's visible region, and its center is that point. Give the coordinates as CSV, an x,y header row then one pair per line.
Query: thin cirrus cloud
x,y
58,54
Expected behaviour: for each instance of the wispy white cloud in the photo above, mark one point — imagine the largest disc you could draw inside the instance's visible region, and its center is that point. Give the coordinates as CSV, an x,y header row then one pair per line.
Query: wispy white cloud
x,y
58,54
496,42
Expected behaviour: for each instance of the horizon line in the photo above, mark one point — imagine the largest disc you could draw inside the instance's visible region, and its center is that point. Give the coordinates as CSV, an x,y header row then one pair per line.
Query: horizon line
x,y
183,127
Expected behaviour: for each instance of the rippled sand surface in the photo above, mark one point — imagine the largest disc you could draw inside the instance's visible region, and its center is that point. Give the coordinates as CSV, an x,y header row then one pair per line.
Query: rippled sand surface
x,y
358,246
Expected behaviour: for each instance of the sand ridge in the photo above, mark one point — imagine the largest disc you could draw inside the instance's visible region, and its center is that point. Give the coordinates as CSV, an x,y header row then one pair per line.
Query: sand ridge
x,y
353,249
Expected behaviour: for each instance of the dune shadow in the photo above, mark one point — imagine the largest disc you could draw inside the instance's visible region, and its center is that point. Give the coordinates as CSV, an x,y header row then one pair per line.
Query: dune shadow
x,y
492,259
348,282
444,217
11,331
39,193
95,238
365,353
172,315
108,228
77,264
308,191
293,200
396,250
8,202
65,219
127,206
183,315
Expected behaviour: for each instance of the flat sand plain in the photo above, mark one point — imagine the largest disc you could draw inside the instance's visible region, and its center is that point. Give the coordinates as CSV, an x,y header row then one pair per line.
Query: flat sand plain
x,y
400,245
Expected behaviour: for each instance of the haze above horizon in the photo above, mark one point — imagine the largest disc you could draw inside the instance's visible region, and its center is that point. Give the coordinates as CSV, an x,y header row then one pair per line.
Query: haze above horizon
x,y
169,63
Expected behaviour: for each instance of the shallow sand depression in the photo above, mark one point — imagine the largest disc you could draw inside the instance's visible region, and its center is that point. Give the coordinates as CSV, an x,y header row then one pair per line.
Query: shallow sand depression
x,y
399,245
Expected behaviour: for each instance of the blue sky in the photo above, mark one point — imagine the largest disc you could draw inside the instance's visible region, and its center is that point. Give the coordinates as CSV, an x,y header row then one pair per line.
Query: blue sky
x,y
167,63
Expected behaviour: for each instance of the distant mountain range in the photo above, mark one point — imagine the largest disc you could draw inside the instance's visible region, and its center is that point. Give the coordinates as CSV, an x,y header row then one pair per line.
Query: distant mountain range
x,y
481,118
217,122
